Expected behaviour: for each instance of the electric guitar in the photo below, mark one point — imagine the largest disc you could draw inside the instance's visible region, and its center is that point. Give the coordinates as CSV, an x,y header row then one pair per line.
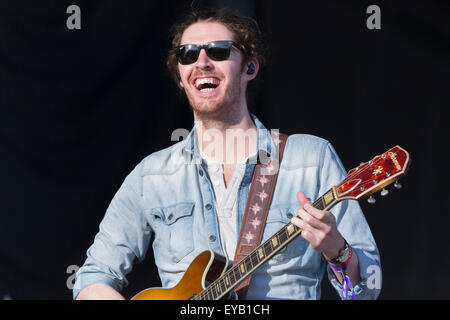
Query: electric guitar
x,y
210,277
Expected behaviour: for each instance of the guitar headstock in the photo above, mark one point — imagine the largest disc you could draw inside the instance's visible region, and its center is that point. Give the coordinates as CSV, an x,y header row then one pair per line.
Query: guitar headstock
x,y
374,175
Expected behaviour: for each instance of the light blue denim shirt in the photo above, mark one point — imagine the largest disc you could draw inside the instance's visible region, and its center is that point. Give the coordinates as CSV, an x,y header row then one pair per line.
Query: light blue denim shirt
x,y
169,195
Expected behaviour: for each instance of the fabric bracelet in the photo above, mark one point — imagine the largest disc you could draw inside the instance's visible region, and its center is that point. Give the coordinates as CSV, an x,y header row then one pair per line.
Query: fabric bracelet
x,y
346,283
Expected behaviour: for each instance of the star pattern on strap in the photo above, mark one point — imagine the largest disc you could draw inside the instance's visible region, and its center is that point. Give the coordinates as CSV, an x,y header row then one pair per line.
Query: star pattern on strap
x,y
249,236
255,208
262,195
255,223
262,181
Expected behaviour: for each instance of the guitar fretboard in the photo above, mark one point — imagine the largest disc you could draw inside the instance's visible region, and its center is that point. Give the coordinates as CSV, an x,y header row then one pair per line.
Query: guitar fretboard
x,y
260,255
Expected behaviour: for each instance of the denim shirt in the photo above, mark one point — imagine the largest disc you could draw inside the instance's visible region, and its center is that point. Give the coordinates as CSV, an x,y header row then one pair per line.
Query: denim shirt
x,y
168,195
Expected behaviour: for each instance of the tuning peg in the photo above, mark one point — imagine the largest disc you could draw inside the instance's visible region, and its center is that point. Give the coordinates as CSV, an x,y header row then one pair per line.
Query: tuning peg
x,y
398,185
384,192
371,200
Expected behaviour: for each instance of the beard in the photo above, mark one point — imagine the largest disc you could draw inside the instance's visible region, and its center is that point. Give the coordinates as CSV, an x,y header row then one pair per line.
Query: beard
x,y
217,107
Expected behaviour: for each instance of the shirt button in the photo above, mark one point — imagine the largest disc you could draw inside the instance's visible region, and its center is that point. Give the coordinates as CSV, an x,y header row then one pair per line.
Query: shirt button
x,y
208,206
170,217
212,238
200,172
289,215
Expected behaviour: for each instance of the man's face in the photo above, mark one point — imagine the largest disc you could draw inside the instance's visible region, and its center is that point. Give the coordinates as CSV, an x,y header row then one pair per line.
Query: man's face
x,y
226,76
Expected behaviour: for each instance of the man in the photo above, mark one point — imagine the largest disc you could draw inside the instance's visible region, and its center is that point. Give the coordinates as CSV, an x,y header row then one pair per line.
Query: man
x,y
192,196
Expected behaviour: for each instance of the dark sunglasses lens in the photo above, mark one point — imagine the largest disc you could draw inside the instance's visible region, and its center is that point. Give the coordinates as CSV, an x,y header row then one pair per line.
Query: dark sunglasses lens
x,y
219,51
187,54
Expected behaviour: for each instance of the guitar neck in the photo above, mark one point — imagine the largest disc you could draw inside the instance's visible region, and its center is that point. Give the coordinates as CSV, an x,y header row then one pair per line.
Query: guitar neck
x,y
222,286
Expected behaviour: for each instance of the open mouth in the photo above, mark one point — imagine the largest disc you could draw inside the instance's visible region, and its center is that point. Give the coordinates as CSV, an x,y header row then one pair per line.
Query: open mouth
x,y
207,84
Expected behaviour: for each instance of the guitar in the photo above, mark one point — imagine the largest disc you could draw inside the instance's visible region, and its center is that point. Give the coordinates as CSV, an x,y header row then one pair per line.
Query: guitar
x,y
210,276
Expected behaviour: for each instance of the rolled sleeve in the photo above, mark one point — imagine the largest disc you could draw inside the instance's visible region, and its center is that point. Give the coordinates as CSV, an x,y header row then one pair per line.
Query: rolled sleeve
x,y
353,226
123,236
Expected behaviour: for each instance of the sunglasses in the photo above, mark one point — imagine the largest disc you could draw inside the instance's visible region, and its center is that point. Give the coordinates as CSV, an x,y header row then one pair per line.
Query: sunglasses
x,y
216,50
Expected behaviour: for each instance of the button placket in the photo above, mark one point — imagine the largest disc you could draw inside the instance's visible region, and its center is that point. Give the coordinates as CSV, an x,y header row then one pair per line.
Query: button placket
x,y
207,191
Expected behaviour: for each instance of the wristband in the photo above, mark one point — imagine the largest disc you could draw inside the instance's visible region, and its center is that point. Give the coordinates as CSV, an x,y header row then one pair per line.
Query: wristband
x,y
346,283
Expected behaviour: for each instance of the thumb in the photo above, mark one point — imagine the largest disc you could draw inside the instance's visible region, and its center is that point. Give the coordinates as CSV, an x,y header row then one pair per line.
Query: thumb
x,y
302,199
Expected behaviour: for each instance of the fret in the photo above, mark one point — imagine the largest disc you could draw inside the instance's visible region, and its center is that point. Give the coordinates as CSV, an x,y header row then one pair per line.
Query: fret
x,y
268,247
254,258
248,263
223,287
232,277
218,288
214,293
237,275
283,235
251,260
208,294
319,204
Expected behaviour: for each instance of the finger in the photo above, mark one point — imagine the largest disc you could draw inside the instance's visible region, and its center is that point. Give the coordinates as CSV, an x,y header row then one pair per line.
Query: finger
x,y
306,204
311,220
300,223
307,231
302,199
308,236
315,234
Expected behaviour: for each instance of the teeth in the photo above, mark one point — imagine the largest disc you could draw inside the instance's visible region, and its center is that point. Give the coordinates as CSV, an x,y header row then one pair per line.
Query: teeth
x,y
206,89
201,81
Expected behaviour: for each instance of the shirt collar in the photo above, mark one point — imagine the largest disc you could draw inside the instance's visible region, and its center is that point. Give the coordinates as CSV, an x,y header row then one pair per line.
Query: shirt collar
x,y
265,142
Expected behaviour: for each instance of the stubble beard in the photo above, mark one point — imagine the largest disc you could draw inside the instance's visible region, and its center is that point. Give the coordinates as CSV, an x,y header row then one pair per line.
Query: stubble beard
x,y
218,108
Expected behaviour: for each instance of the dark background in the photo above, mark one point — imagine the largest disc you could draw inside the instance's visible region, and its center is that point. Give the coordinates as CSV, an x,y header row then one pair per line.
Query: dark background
x,y
80,108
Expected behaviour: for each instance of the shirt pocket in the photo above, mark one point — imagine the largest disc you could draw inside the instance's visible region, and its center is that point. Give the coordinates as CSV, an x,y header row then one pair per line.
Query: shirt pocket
x,y
277,218
173,227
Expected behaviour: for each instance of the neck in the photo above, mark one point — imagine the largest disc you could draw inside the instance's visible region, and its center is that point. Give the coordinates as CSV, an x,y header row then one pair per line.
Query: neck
x,y
226,137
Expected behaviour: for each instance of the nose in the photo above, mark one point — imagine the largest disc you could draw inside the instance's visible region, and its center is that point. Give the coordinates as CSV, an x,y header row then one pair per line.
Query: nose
x,y
203,61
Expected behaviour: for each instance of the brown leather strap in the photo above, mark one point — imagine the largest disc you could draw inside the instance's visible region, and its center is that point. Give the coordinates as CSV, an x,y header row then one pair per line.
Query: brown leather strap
x,y
258,203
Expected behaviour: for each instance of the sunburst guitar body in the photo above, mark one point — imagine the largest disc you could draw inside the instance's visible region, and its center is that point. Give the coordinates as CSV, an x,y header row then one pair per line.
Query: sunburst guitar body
x,y
207,267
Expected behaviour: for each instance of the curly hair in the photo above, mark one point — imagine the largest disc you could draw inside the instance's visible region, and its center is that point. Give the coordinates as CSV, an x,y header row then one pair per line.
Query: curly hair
x,y
245,30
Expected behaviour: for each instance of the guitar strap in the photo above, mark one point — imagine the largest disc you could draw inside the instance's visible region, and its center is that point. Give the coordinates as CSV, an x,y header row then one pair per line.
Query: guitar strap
x,y
258,203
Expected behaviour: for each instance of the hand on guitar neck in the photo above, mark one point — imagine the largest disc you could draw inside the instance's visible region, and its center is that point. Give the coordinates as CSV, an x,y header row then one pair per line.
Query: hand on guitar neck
x,y
320,230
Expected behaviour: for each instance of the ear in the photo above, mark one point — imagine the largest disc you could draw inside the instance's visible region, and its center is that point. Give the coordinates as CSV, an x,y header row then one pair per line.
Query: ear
x,y
179,82
252,76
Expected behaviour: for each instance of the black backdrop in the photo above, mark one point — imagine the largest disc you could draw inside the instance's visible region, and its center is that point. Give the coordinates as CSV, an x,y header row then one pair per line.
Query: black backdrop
x,y
80,108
